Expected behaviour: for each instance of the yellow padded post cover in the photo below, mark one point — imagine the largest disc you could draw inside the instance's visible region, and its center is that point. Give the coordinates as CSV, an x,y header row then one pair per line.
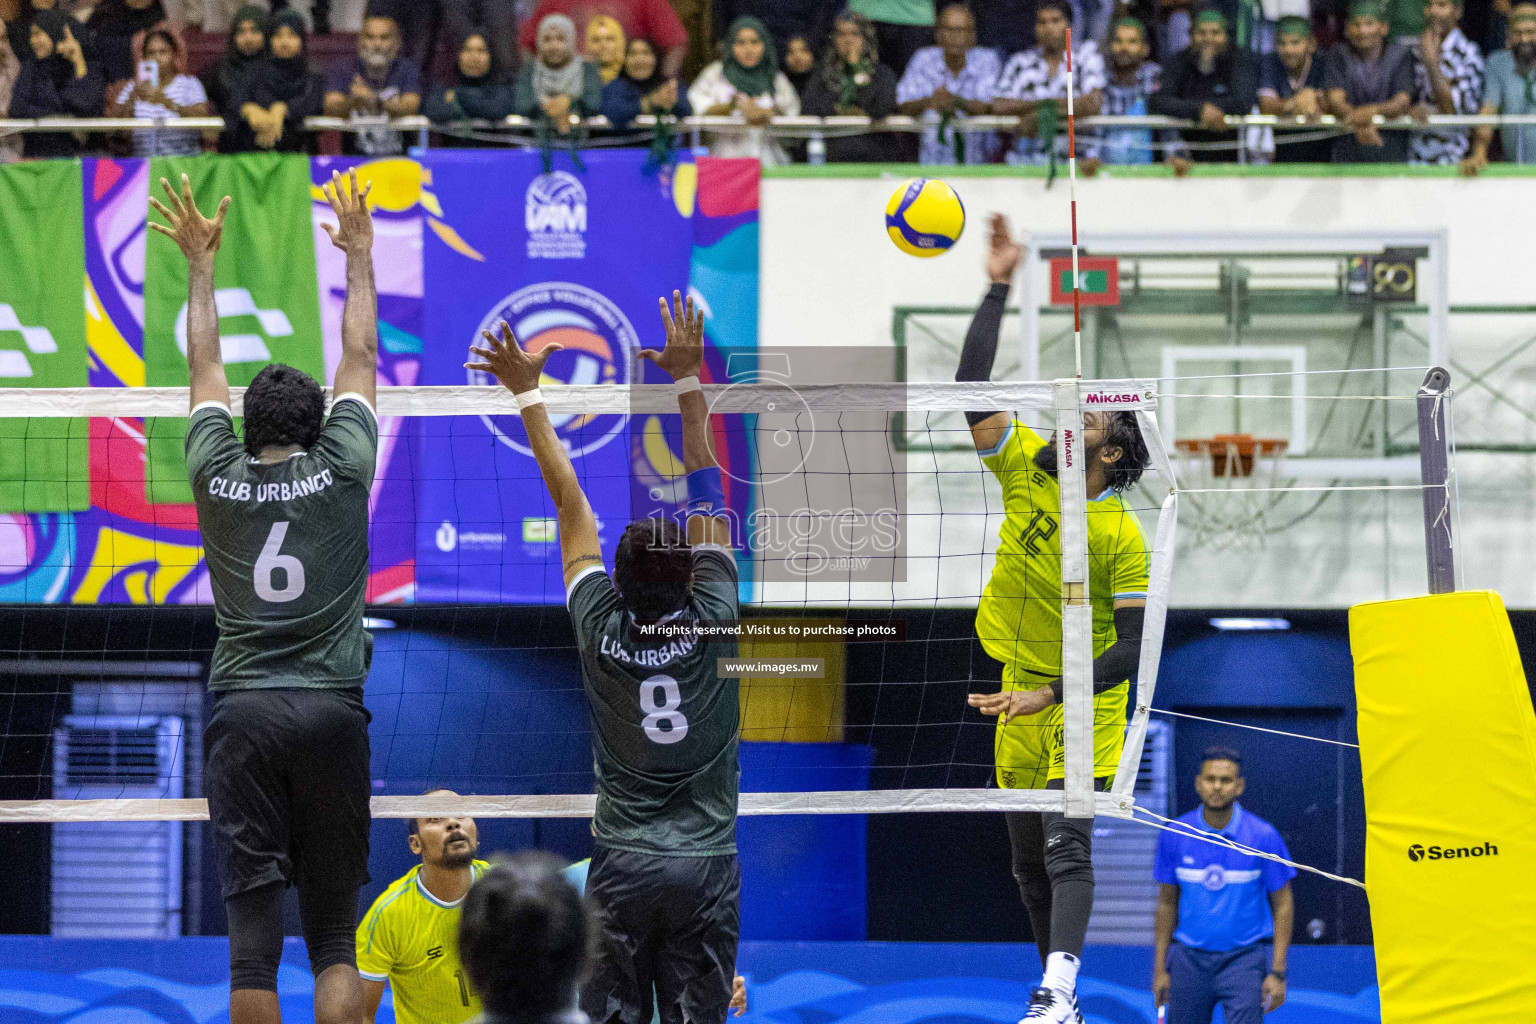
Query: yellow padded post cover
x,y
1448,752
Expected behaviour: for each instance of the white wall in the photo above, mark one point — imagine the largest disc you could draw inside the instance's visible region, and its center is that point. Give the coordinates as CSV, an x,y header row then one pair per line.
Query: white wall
x,y
831,277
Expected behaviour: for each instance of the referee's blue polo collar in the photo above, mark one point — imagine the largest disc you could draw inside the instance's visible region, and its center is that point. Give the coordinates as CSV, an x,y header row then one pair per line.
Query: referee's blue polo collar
x,y
1231,830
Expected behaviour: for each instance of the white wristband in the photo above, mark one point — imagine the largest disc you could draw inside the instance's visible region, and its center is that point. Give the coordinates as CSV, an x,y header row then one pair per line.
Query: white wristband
x,y
527,398
683,385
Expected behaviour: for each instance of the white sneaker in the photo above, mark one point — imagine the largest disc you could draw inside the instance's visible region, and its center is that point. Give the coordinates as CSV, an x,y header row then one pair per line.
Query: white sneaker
x,y
1050,1006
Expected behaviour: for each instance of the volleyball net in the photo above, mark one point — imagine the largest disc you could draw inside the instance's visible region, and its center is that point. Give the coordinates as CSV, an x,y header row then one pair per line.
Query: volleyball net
x,y
866,527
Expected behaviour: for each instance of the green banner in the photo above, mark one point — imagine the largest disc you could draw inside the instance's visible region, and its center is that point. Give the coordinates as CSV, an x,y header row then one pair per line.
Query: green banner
x,y
44,463
269,305
1095,282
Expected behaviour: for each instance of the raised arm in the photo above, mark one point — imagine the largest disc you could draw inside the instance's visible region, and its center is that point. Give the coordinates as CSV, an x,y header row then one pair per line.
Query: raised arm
x,y
358,371
682,359
519,372
199,239
980,349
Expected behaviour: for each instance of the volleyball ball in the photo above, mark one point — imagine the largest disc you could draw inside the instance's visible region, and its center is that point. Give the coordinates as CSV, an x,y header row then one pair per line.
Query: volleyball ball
x,y
924,217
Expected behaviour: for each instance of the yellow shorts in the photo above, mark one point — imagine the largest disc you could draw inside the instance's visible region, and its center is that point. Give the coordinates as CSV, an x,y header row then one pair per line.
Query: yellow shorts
x,y
1028,750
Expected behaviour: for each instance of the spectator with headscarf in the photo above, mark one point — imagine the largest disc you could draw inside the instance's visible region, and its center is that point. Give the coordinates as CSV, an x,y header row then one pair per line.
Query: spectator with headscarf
x,y
478,92
1366,77
1291,85
799,64
55,81
113,24
228,81
653,19
558,83
1205,82
173,93
284,91
853,83
495,20
745,82
605,46
641,88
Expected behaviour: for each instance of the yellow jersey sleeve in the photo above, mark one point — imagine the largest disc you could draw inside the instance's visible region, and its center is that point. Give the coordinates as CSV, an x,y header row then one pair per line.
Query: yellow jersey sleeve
x,y
375,939
1014,452
1132,573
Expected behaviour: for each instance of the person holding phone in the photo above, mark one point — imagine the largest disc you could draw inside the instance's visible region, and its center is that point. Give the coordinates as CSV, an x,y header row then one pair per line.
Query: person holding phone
x,y
161,89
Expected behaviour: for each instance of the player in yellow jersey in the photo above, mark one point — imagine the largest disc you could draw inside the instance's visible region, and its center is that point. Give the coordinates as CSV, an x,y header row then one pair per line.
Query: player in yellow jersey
x,y
1018,621
410,936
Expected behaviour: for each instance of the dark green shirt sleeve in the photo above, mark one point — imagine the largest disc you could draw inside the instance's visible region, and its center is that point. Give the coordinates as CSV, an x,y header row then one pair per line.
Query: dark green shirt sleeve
x,y
349,442
592,599
211,442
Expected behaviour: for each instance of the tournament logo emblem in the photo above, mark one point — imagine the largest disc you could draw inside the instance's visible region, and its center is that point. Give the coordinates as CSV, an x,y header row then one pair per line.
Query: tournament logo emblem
x,y
555,214
447,537
599,346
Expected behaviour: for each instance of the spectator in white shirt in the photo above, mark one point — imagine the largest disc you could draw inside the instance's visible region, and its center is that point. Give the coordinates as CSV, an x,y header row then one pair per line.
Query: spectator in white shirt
x,y
956,77
746,83
171,92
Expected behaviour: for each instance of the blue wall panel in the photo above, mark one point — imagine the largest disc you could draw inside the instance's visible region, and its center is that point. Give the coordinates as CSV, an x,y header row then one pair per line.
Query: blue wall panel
x,y
185,981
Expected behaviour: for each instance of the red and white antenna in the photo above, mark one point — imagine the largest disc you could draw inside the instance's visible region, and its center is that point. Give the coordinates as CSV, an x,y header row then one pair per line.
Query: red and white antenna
x,y
1077,308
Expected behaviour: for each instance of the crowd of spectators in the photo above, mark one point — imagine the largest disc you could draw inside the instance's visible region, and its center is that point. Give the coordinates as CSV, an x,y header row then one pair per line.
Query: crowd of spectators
x,y
551,61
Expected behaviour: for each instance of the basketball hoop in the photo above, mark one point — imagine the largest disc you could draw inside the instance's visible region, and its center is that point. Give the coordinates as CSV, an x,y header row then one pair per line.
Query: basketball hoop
x,y
1230,481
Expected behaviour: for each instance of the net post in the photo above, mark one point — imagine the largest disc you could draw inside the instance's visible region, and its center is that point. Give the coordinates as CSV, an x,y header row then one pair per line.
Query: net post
x,y
1435,476
1076,612
1158,591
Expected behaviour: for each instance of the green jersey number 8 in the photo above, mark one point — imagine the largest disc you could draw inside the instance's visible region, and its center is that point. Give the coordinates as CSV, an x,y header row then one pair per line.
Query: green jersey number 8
x,y
271,560
664,720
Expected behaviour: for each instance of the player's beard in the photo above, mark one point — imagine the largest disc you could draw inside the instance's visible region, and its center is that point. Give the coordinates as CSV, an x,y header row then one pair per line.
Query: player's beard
x,y
459,855
1045,458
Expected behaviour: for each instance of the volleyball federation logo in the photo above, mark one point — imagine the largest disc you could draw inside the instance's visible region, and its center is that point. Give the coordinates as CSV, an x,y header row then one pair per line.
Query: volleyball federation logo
x,y
599,346
555,214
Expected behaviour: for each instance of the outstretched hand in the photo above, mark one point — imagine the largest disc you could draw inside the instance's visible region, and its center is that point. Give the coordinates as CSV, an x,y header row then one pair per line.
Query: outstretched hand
x,y
504,357
683,355
354,223
1013,703
1003,253
197,236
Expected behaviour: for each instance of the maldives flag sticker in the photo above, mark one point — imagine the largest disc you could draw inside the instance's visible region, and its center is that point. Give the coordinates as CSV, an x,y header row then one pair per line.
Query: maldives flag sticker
x,y
1099,279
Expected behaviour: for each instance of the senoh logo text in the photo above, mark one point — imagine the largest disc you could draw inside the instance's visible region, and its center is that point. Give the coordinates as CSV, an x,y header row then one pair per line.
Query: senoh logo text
x,y
1418,852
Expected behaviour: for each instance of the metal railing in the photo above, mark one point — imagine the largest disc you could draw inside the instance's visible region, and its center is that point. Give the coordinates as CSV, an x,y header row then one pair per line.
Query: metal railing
x,y
513,129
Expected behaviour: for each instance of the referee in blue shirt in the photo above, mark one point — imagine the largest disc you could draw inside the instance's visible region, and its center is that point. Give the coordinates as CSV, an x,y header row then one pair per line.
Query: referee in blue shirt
x,y
1230,908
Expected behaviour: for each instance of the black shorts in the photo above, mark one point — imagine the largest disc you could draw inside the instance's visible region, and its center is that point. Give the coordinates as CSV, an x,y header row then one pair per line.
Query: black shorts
x,y
668,922
286,773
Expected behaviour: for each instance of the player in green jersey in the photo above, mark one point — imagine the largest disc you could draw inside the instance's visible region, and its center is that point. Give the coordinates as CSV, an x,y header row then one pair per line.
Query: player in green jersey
x,y
665,883
1018,621
410,936
284,520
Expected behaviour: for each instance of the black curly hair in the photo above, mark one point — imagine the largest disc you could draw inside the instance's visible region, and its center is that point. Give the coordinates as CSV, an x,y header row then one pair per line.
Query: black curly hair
x,y
1123,432
653,568
525,936
283,406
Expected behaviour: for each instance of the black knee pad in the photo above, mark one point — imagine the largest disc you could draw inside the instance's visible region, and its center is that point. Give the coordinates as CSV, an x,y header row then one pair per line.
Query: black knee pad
x,y
329,918
1069,851
255,937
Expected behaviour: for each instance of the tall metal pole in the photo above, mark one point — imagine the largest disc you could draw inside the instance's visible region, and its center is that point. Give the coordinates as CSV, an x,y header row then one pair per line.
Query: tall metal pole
x,y
1435,475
